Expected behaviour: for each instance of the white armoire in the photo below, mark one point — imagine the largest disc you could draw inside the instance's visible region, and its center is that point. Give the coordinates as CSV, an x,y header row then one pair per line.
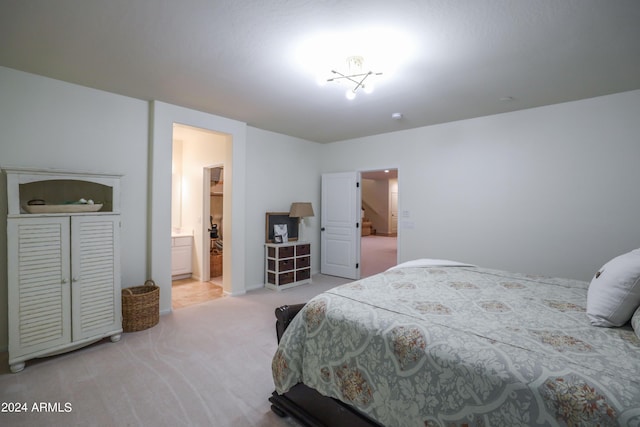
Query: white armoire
x,y
63,249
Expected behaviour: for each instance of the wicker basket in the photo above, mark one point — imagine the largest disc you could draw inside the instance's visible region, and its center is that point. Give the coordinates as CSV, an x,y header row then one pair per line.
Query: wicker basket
x,y
140,307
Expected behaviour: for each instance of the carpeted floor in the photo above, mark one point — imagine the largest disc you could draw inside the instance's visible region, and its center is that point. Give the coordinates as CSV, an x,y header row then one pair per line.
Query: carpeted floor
x,y
204,365
377,253
207,364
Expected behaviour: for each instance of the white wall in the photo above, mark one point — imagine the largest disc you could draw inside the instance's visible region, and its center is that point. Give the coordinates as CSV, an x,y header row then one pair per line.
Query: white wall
x,y
376,194
280,170
50,124
176,186
551,190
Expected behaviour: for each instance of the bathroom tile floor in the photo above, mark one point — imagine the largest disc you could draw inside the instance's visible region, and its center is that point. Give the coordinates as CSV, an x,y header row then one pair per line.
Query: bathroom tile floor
x,y
186,292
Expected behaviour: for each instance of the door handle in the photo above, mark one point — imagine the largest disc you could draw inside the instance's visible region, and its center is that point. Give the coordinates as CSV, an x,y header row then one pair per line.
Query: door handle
x,y
322,229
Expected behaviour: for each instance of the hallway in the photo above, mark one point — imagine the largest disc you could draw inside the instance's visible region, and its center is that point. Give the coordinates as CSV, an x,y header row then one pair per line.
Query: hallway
x,y
377,254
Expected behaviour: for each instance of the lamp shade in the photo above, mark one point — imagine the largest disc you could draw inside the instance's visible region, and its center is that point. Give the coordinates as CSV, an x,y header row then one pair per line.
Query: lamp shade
x,y
300,210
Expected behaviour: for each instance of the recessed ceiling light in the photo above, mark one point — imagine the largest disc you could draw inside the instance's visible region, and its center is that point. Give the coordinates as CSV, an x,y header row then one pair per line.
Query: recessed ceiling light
x,y
396,116
506,98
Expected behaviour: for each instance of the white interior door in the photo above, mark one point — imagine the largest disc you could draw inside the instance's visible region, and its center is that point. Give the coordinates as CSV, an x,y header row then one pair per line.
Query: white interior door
x,y
340,225
394,212
39,284
95,276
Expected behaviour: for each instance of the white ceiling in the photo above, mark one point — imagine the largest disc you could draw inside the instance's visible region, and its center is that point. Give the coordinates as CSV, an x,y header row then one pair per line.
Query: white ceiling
x,y
235,58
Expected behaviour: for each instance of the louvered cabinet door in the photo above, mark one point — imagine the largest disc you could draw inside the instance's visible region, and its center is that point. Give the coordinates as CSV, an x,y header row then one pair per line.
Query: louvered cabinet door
x,y
95,276
39,290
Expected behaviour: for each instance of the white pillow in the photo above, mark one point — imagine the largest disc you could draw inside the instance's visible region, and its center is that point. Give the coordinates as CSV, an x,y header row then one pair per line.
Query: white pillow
x,y
614,292
635,322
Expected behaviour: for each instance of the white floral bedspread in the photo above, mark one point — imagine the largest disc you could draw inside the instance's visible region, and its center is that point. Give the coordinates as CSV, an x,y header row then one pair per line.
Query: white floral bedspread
x,y
463,346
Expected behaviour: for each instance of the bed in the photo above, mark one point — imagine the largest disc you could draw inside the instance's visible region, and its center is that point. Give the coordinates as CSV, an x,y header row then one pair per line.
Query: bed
x,y
438,343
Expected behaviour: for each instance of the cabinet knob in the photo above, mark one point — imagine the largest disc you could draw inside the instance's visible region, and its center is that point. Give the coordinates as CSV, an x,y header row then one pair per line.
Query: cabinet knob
x,y
63,281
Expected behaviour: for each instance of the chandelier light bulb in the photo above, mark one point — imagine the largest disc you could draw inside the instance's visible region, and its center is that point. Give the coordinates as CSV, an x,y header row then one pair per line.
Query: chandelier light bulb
x,y
350,94
368,88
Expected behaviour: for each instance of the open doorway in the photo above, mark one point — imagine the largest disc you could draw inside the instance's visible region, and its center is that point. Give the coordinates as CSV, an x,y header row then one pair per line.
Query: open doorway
x,y
379,231
194,151
215,212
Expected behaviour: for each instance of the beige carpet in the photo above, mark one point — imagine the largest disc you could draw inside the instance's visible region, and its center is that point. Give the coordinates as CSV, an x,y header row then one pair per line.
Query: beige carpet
x,y
204,365
377,254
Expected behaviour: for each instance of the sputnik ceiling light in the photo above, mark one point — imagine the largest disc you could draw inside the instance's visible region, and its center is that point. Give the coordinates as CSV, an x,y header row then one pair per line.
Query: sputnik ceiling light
x,y
355,57
355,75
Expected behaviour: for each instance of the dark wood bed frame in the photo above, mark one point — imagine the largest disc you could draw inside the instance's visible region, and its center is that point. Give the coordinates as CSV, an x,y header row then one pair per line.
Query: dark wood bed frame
x,y
304,403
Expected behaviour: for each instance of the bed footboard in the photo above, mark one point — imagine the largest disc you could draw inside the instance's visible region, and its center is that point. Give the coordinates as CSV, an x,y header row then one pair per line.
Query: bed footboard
x,y
304,403
284,316
315,410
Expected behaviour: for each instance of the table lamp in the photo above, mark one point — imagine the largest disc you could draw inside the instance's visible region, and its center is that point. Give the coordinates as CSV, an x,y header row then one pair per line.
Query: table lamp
x,y
301,210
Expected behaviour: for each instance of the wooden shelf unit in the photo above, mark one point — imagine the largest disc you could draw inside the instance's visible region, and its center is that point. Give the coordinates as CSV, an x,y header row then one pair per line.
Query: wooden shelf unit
x,y
287,264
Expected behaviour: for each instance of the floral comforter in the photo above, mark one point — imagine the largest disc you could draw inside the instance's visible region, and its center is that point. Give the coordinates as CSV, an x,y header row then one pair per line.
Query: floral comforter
x,y
463,346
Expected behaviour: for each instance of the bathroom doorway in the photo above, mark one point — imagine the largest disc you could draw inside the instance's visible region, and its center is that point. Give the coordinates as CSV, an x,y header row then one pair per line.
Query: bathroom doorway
x,y
197,172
